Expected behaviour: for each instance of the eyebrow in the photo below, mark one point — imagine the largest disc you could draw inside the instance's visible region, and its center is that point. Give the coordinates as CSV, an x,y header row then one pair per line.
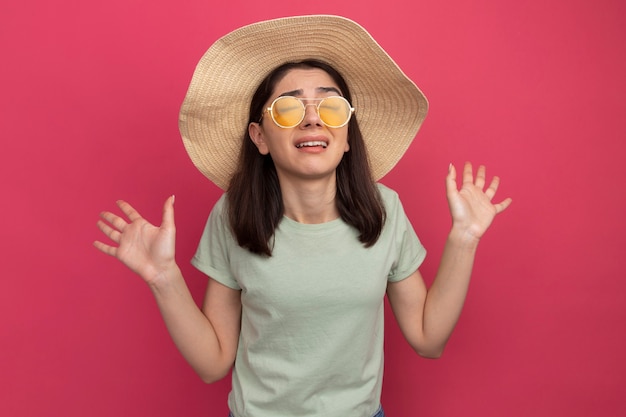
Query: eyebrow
x,y
299,92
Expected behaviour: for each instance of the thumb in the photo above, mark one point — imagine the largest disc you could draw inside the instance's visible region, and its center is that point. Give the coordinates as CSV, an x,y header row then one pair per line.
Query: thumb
x,y
168,213
451,180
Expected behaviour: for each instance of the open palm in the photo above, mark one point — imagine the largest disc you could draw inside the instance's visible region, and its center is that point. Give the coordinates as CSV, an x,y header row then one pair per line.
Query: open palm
x,y
146,249
471,207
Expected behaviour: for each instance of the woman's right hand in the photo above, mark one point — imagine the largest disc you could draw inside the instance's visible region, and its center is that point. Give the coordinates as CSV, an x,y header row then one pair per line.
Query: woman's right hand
x,y
144,248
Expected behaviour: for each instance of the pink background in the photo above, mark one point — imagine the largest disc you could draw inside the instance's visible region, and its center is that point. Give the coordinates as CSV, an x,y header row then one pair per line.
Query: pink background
x,y
89,96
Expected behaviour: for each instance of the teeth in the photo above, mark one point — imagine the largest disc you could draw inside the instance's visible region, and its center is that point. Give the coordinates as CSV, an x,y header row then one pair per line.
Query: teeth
x,y
312,143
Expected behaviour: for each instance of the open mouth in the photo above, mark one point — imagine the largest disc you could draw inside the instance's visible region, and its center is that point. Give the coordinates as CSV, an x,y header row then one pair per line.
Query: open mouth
x,y
312,144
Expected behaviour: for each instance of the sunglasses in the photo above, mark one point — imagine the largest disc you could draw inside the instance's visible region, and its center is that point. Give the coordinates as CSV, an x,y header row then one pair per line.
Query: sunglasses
x,y
289,111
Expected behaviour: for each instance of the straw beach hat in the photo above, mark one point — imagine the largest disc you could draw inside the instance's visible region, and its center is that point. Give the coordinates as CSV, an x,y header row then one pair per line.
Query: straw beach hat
x,y
214,115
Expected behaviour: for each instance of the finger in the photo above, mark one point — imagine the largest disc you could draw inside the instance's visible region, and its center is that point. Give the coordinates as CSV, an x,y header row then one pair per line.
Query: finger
x,y
168,213
480,177
451,180
500,207
111,233
107,249
493,187
128,210
468,176
114,220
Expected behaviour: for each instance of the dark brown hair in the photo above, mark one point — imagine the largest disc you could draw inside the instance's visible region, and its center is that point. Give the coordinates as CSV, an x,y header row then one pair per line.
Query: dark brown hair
x,y
255,204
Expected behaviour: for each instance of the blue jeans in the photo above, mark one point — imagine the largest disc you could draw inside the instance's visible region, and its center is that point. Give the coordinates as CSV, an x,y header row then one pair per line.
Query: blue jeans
x,y
379,413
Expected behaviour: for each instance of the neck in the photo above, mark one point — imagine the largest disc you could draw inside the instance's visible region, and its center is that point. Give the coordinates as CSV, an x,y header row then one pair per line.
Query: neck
x,y
310,201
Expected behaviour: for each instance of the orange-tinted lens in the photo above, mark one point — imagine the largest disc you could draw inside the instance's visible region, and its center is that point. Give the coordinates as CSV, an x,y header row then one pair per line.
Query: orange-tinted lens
x,y
334,111
287,111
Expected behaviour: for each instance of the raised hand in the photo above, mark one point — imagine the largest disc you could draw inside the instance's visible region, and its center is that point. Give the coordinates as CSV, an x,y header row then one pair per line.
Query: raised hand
x,y
146,249
471,207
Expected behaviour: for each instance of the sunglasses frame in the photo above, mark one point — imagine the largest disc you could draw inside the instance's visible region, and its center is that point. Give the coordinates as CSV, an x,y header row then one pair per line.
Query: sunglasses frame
x,y
304,106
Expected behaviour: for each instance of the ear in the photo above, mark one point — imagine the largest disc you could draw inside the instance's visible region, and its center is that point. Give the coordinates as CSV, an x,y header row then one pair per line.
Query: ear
x,y
347,148
255,130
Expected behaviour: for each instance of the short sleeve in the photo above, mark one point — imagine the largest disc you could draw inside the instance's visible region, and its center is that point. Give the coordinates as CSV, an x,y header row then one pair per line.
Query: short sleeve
x,y
409,253
213,254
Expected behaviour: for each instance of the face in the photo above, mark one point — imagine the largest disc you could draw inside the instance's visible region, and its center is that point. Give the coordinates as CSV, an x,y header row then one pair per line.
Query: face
x,y
310,150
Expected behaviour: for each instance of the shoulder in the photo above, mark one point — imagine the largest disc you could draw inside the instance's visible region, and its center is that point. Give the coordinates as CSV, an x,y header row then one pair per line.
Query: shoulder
x,y
390,197
218,216
385,191
219,208
221,202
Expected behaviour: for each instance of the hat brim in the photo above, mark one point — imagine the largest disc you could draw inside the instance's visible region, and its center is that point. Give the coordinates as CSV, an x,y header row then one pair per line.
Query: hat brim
x,y
214,114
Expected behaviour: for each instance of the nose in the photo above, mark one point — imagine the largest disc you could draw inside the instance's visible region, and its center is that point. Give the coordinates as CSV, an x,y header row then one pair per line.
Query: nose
x,y
311,116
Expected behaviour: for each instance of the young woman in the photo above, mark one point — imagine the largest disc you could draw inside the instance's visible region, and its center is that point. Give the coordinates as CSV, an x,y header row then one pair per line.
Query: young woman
x,y
305,244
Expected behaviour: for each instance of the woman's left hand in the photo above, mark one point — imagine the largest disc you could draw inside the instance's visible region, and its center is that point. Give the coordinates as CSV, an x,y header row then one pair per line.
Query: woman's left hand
x,y
471,207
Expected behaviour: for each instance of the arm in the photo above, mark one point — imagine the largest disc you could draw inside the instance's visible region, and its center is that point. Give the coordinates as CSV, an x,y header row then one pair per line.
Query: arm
x,y
427,317
208,338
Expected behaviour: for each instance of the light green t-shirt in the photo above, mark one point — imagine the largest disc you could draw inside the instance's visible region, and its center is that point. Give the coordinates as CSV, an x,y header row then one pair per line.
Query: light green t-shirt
x,y
312,325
